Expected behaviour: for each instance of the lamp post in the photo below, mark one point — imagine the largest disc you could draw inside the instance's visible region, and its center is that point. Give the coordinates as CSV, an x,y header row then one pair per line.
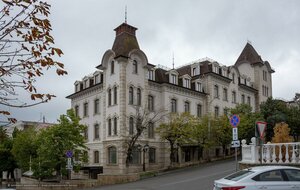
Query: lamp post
x,y
145,149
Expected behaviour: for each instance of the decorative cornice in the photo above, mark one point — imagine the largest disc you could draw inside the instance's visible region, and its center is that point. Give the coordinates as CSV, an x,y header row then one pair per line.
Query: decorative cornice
x,y
85,91
248,88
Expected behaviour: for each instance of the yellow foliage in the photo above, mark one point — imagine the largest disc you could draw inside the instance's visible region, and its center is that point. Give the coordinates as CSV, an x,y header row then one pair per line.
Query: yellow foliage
x,y
282,133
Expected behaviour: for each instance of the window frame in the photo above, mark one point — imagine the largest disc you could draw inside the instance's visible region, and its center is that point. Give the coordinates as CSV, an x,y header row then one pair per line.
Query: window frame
x,y
97,106
96,157
139,96
173,105
131,98
135,67
96,131
112,155
85,109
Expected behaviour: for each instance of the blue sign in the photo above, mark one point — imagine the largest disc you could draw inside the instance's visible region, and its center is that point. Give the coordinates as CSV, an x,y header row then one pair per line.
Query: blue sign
x,y
234,120
69,153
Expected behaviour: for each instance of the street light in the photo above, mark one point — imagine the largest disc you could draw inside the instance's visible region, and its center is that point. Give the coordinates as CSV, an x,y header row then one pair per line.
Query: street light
x,y
145,149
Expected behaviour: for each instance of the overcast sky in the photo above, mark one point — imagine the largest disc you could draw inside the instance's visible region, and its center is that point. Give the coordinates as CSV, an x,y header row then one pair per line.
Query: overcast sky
x,y
192,29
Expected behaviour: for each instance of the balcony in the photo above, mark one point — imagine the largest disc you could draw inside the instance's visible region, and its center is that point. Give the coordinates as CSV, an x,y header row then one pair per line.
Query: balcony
x,y
272,153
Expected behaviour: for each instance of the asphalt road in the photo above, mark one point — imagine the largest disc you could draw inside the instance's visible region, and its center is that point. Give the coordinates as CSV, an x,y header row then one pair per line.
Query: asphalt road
x,y
193,178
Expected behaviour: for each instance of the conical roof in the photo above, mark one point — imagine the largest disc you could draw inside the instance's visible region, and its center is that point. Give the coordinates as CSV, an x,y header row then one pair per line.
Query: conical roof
x,y
249,54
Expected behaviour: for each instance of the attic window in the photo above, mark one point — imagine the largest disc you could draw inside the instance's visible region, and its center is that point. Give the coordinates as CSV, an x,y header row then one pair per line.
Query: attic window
x,y
97,78
86,83
150,74
186,83
198,86
194,71
173,79
135,67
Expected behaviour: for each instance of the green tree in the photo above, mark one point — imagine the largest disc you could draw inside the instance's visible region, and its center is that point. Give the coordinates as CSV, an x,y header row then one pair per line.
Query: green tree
x,y
175,132
293,120
246,127
223,131
25,147
26,51
273,111
53,143
7,160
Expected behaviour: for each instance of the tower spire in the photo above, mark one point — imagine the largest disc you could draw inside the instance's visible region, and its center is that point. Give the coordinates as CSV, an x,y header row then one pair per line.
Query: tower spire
x,y
126,14
173,60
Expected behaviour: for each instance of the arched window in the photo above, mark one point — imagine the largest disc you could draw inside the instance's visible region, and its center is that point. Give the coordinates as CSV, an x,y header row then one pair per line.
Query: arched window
x,y
115,95
96,131
77,110
96,157
109,127
131,95
186,106
136,155
131,125
135,67
139,97
150,130
115,126
173,105
112,67
109,97
112,155
96,106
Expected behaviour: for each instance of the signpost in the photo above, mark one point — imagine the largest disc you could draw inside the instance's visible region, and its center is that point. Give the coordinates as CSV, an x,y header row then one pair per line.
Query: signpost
x,y
260,128
69,165
234,122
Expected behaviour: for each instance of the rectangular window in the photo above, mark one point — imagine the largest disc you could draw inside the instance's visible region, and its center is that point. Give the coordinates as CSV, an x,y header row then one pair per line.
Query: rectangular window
x,y
186,83
150,103
243,98
194,71
86,133
216,91
199,86
109,97
136,156
109,127
152,155
249,100
186,107
173,79
233,97
115,95
139,97
86,83
77,110
233,78
115,126
97,79
96,131
225,94
131,125
96,106
216,111
173,105
199,110
131,95
150,130
150,74
85,109
112,155
96,157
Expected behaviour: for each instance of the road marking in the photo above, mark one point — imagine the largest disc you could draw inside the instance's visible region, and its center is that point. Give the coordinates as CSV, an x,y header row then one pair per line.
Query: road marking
x,y
196,178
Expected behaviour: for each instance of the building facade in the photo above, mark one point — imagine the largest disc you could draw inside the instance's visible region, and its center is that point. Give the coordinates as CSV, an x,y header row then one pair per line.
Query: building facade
x,y
106,100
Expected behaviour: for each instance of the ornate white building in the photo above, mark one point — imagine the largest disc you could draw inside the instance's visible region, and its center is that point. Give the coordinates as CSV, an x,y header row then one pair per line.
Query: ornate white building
x,y
106,99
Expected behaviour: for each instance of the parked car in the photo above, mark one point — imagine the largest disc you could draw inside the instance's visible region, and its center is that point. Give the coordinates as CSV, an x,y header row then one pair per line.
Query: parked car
x,y
261,177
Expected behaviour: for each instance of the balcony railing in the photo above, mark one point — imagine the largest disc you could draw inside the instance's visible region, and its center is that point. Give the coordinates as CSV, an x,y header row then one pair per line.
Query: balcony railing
x,y
272,153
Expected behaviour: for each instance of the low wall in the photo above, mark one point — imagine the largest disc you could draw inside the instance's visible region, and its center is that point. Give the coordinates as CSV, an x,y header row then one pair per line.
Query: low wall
x,y
115,179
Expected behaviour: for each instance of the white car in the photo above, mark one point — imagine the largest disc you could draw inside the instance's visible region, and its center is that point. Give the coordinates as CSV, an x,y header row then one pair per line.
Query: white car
x,y
261,177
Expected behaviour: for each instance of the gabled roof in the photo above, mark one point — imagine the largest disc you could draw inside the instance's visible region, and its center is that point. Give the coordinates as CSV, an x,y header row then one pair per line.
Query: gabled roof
x,y
249,54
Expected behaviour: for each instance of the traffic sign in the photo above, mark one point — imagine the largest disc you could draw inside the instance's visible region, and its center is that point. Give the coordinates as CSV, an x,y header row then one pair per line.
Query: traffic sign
x,y
69,164
234,133
69,154
234,120
261,127
235,144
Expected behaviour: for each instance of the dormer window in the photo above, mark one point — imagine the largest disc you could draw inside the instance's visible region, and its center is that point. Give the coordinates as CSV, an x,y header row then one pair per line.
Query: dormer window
x,y
173,79
150,74
215,69
194,71
77,87
198,86
97,78
86,83
135,67
186,83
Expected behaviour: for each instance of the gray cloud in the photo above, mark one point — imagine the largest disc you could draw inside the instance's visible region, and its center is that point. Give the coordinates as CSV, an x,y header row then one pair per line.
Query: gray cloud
x,y
191,29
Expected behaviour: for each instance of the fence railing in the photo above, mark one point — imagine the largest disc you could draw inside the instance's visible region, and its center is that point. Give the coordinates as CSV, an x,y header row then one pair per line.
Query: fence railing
x,y
271,153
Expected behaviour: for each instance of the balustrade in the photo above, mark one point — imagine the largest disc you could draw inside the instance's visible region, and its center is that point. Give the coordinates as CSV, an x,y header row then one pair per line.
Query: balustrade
x,y
272,153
